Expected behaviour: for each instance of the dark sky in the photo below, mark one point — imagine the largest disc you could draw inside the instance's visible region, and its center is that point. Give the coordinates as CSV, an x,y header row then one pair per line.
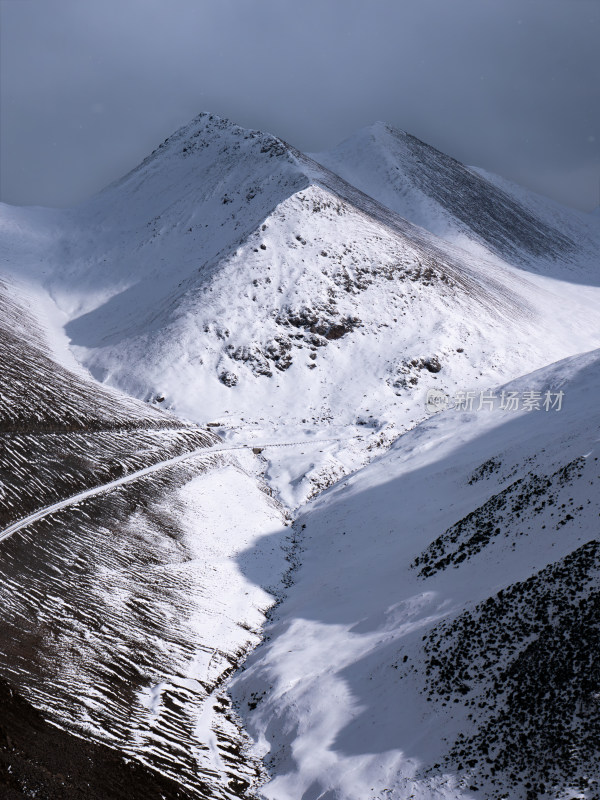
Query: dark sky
x,y
89,87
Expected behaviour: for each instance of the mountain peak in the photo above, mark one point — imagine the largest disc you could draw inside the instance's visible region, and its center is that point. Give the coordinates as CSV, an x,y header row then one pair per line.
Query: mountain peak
x,y
386,127
207,127
231,278
380,132
203,132
438,193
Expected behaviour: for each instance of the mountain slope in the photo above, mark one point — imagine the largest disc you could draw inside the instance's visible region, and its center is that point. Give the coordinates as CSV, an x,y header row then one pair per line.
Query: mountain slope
x,y
439,635
35,755
462,204
113,634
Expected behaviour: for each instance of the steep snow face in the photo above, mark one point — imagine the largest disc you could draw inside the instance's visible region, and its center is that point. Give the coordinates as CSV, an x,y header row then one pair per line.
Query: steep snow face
x,y
582,264
329,314
192,200
440,194
318,283
439,636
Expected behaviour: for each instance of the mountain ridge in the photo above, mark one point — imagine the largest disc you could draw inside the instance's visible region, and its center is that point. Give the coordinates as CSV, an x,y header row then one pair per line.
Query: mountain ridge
x,y
439,193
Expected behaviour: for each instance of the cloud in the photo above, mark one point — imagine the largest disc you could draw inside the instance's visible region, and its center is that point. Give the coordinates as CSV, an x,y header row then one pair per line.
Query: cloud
x,y
89,88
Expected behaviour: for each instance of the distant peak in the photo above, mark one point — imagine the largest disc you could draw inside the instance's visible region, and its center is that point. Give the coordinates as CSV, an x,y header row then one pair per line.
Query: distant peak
x,y
379,131
401,135
386,127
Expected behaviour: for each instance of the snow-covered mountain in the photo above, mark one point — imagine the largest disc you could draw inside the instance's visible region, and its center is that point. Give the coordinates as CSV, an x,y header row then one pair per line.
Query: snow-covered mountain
x,y
465,205
307,307
238,281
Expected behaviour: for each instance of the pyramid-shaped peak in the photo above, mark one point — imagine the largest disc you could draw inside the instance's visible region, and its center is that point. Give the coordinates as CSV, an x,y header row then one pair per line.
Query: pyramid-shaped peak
x,y
208,130
379,131
402,142
210,159
385,127
442,195
380,140
208,127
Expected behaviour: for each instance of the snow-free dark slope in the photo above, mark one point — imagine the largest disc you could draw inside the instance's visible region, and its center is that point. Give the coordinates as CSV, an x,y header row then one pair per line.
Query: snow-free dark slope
x,y
455,202
39,760
440,634
108,625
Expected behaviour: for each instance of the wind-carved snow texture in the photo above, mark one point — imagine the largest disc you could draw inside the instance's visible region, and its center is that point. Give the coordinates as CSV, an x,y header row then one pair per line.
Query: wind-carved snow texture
x,y
494,217
112,623
101,606
39,760
41,469
40,394
47,416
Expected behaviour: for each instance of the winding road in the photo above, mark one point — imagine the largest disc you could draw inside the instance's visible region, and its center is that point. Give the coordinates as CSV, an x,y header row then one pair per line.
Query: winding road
x,y
133,476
